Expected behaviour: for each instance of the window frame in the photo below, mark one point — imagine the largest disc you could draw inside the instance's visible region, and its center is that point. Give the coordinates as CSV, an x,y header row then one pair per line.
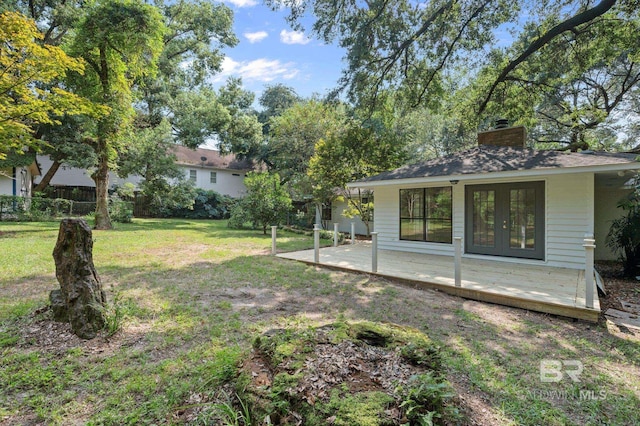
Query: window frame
x,y
193,175
425,219
213,177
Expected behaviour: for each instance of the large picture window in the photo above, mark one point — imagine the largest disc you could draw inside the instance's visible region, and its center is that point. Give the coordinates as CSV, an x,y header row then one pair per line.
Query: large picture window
x,y
425,214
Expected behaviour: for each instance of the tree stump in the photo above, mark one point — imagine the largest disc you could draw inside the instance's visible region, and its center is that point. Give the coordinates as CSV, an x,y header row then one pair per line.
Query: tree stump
x,y
80,300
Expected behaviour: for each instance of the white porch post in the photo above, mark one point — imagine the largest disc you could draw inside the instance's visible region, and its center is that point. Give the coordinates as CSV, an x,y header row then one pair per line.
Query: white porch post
x,y
457,261
374,252
316,243
353,232
273,239
335,234
589,246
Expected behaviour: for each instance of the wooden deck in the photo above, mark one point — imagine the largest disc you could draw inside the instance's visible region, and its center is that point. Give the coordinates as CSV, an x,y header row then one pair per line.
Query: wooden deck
x,y
559,291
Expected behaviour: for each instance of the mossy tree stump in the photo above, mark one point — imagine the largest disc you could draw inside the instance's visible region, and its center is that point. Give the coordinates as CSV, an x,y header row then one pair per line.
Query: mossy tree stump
x,y
80,300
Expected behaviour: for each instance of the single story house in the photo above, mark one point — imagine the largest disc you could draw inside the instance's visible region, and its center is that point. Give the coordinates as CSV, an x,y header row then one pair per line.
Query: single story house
x,y
507,202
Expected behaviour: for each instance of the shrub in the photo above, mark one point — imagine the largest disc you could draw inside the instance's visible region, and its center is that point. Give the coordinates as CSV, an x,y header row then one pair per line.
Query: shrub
x,y
266,203
120,210
207,205
624,233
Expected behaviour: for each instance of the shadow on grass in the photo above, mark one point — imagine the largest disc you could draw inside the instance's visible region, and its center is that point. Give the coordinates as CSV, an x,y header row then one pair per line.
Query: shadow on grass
x,y
233,299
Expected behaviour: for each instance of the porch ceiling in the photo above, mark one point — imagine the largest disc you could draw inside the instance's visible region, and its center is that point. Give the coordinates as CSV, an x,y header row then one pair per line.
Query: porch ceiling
x,y
552,290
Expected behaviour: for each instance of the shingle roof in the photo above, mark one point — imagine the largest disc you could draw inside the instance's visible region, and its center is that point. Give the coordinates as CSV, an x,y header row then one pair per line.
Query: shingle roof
x,y
492,159
209,158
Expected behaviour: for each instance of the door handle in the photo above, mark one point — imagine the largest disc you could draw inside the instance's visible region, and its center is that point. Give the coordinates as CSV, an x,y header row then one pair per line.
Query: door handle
x,y
504,224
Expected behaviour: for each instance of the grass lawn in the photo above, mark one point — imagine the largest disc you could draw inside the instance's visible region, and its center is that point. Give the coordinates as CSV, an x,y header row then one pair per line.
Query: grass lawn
x,y
192,295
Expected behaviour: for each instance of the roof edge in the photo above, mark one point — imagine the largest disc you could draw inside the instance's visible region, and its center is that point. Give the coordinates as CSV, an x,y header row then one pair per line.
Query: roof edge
x,y
496,175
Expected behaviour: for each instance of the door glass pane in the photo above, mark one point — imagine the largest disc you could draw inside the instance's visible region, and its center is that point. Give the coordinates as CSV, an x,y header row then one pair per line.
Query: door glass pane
x,y
484,215
522,218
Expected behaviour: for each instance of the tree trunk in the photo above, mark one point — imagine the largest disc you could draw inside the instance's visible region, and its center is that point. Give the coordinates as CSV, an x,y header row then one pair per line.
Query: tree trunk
x,y
47,177
80,300
101,178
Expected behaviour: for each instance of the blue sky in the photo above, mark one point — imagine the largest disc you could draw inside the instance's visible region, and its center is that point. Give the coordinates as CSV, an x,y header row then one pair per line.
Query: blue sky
x,y
270,52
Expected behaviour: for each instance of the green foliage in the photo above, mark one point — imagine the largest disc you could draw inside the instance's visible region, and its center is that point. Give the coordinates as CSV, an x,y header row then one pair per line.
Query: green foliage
x,y
570,107
164,197
275,100
17,158
121,41
28,70
364,409
232,411
293,137
243,135
34,209
624,233
427,397
358,151
7,339
239,216
207,204
114,314
265,204
120,210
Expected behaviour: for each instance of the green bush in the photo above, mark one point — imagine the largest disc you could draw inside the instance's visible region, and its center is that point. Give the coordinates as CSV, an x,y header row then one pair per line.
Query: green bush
x,y
624,233
207,205
120,210
266,203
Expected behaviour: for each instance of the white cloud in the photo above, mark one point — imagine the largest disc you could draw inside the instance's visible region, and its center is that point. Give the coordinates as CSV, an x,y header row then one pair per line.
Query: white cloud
x,y
293,37
242,3
263,70
256,37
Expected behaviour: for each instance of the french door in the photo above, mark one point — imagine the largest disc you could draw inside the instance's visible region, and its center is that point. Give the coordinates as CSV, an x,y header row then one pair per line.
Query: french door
x,y
505,219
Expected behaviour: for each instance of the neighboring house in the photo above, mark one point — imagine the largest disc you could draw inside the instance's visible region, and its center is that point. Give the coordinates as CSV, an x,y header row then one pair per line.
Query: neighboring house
x,y
207,168
17,173
505,201
68,180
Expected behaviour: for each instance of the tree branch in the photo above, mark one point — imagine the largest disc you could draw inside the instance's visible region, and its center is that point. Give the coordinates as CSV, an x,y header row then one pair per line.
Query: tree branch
x,y
568,25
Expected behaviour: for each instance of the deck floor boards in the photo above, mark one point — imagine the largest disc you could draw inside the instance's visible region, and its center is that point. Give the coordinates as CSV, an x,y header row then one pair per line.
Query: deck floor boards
x,y
540,288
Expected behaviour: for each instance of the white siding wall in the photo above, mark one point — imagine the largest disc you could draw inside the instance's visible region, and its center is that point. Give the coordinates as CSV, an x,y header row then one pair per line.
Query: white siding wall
x,y
226,182
569,215
73,176
6,183
65,176
344,223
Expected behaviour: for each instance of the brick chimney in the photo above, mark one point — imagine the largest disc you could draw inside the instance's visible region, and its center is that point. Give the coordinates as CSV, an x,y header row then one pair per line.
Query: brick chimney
x,y
502,135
